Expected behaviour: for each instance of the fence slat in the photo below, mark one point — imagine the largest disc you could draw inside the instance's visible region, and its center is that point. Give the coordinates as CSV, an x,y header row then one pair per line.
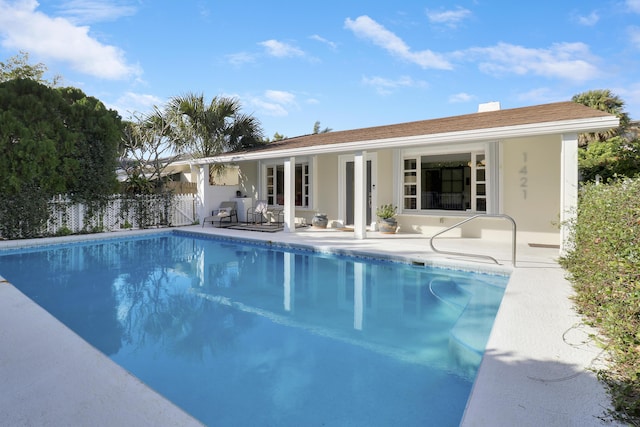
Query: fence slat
x,y
154,210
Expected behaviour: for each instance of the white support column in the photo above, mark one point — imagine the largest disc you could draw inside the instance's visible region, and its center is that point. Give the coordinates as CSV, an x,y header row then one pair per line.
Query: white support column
x,y
568,187
290,195
202,182
360,195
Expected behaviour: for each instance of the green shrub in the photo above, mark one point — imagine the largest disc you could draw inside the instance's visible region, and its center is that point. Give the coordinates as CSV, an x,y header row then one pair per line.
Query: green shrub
x,y
604,266
24,214
64,231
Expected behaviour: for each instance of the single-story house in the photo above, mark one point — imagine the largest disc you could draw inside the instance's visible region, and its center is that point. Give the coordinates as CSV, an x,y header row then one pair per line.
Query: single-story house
x,y
519,162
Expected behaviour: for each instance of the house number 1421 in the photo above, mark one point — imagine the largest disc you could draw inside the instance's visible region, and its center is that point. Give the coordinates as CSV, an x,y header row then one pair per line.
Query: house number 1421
x,y
524,178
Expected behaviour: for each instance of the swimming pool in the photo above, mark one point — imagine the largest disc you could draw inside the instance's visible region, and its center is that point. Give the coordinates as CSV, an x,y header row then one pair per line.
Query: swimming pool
x,y
239,333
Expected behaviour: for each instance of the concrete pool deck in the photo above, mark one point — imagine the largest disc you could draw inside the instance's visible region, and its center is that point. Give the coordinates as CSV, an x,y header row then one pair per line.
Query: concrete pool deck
x,y
535,372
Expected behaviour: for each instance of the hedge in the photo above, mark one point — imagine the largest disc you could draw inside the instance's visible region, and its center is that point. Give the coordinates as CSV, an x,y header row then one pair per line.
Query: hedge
x,y
604,267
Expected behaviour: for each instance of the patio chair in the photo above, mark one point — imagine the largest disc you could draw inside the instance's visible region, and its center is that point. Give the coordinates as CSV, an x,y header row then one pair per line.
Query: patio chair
x,y
261,213
225,213
258,214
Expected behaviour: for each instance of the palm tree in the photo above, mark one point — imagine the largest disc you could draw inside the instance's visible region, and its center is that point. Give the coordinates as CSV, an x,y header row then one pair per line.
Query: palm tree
x,y
603,100
316,128
211,129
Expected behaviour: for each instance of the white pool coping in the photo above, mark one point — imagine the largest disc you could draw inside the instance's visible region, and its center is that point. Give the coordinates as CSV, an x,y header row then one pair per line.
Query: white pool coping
x,y
535,372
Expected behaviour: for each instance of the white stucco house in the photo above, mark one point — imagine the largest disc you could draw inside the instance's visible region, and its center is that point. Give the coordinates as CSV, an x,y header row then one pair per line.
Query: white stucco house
x,y
520,162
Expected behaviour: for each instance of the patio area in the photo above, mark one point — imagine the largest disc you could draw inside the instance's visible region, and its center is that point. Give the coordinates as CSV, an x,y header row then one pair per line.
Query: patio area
x,y
536,369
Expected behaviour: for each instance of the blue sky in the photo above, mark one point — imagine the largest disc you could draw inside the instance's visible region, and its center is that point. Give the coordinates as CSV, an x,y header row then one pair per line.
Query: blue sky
x,y
348,64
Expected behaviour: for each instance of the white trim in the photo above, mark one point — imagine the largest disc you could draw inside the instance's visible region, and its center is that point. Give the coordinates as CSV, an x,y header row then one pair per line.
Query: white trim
x,y
492,168
499,169
342,196
313,185
475,135
360,195
262,182
290,195
397,170
494,179
444,149
568,187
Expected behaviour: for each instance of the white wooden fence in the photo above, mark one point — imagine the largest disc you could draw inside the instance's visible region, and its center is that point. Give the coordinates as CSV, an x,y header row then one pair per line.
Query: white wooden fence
x,y
122,212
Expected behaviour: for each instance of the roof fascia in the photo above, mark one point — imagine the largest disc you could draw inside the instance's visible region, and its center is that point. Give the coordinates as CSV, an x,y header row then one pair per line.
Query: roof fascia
x,y
533,129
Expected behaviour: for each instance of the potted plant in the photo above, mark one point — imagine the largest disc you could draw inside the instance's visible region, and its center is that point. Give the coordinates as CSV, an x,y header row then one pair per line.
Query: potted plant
x,y
387,218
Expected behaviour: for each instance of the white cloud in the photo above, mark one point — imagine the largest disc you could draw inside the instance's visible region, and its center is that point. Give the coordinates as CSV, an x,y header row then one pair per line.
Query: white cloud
x,y
571,61
204,10
460,98
589,20
368,29
274,103
281,97
269,108
87,11
240,58
23,27
280,49
634,36
386,86
634,5
131,103
331,44
450,18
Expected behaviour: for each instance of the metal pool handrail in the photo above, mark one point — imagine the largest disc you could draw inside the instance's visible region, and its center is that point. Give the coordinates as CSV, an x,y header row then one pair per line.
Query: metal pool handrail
x,y
503,216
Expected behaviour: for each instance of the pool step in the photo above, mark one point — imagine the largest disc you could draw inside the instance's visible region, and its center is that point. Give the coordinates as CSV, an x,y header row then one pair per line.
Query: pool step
x,y
466,341
449,292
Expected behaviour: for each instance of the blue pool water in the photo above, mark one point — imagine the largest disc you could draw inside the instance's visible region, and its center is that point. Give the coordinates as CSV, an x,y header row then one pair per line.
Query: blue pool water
x,y
240,334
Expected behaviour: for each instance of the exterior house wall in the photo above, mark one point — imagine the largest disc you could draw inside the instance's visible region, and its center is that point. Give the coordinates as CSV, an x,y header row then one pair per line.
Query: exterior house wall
x,y
525,158
384,181
529,192
324,181
228,176
531,187
248,175
325,187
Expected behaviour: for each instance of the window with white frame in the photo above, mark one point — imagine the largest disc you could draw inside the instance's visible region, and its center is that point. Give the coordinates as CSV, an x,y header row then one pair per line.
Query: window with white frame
x,y
451,182
275,185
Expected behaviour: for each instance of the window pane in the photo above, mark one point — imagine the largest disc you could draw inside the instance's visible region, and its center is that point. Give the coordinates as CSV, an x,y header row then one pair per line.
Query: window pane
x,y
445,181
410,190
275,185
410,203
410,164
410,177
280,185
298,179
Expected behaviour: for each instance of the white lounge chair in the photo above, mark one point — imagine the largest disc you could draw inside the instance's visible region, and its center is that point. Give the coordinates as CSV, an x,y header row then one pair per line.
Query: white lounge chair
x,y
225,213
